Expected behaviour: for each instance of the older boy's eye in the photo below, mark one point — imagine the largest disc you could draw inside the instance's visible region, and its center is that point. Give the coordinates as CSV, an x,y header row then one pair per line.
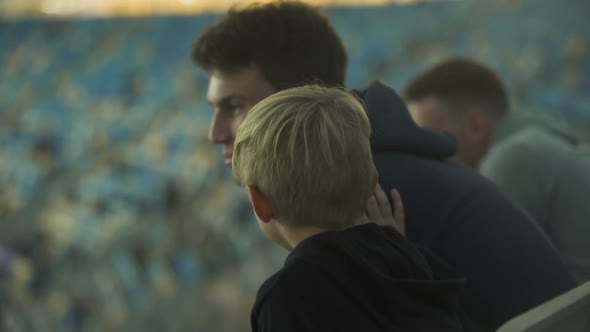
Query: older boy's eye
x,y
237,111
232,110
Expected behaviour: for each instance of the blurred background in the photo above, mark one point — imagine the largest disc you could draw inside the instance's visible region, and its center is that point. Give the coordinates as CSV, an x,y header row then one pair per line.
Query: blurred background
x,y
116,214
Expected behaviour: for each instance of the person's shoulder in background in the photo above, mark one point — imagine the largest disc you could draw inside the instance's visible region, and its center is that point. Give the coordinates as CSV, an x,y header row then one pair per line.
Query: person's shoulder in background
x,y
527,155
545,170
527,166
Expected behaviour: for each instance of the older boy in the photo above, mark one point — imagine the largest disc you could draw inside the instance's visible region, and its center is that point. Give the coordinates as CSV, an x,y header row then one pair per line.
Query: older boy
x,y
450,209
305,158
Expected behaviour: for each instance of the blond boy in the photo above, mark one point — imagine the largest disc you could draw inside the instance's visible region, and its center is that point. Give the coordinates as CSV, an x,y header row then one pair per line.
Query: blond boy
x,y
304,157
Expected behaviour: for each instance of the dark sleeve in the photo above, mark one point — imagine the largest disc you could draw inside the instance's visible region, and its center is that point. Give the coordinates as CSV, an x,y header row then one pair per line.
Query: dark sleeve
x,y
505,258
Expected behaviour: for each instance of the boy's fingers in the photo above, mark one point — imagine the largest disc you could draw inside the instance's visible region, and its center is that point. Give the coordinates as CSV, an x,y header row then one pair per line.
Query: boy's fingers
x,y
364,219
399,214
373,213
383,203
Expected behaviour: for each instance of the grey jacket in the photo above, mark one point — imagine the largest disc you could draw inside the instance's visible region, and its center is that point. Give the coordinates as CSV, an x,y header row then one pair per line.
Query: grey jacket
x,y
545,170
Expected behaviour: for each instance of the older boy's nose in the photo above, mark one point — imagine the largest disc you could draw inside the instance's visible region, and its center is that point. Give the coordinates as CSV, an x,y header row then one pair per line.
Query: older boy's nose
x,y
219,131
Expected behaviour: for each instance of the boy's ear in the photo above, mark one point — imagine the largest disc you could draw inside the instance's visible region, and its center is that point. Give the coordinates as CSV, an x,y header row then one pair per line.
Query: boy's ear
x,y
260,204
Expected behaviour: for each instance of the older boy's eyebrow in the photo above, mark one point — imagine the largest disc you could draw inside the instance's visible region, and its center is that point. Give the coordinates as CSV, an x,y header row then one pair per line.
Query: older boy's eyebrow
x,y
225,101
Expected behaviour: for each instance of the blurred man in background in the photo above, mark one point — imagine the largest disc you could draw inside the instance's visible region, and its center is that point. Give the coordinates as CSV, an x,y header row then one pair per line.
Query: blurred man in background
x,y
536,163
450,209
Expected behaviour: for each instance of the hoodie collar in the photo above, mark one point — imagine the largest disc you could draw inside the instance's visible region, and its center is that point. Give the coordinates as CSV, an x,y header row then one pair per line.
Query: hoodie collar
x,y
394,130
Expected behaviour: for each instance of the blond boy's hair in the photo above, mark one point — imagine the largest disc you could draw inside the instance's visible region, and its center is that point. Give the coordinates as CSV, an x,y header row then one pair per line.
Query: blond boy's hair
x,y
307,150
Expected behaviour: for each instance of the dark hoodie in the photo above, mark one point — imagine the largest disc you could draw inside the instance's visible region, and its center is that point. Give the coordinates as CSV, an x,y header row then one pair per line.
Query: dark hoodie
x,y
509,264
364,278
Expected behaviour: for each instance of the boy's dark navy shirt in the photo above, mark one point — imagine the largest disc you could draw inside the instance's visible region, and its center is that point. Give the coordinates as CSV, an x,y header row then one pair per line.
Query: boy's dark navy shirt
x,y
364,278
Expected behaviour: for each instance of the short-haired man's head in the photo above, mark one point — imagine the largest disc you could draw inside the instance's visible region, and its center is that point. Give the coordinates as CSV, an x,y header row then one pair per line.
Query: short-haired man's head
x,y
461,83
291,43
307,150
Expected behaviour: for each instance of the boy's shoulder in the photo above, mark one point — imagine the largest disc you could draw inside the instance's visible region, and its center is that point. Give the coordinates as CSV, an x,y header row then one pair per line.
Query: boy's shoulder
x,y
299,297
292,280
366,278
305,268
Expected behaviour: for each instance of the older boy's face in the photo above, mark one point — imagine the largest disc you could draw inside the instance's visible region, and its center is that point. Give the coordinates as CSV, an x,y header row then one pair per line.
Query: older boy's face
x,y
232,95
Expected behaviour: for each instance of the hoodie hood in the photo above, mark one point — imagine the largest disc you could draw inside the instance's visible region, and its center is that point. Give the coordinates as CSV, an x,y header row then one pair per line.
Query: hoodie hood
x,y
379,251
386,274
394,130
363,278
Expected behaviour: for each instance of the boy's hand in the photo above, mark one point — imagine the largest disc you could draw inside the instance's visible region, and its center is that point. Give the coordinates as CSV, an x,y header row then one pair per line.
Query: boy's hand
x,y
379,211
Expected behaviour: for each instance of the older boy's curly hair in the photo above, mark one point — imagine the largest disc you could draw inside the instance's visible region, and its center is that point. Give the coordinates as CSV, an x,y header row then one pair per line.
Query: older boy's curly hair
x,y
290,42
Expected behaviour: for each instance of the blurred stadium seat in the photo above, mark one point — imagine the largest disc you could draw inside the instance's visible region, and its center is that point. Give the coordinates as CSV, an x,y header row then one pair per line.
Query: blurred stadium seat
x,y
569,312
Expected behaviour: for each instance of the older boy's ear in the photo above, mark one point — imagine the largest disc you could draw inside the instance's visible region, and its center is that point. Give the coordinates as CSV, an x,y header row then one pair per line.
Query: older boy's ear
x,y
260,204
